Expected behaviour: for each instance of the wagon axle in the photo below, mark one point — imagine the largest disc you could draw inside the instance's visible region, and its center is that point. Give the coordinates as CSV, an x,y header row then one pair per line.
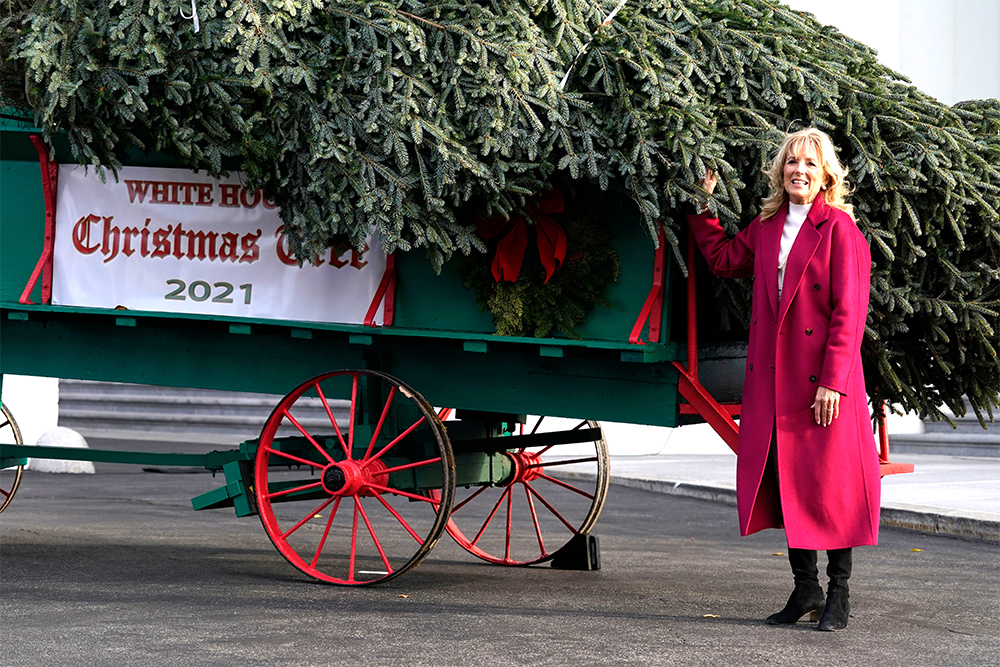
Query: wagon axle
x,y
525,467
349,478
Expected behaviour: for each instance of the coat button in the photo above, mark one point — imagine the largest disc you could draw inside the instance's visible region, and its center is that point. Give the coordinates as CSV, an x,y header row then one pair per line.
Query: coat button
x,y
816,287
809,332
812,378
751,366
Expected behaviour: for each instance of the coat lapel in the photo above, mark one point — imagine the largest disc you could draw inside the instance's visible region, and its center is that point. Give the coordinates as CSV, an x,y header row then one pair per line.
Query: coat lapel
x,y
770,244
802,253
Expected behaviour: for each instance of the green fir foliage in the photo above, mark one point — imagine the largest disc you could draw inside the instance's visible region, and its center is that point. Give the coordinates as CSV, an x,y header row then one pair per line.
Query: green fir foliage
x,y
390,116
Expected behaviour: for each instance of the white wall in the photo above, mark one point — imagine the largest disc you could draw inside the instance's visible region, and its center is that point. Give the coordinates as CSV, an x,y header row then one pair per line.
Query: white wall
x,y
871,22
34,404
949,49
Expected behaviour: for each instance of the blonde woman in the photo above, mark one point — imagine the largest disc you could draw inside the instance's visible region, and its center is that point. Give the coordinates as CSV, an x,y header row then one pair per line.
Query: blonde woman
x,y
807,459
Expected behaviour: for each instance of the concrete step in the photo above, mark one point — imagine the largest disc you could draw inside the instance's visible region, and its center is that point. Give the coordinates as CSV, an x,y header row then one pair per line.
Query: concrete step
x,y
104,409
968,423
946,444
967,438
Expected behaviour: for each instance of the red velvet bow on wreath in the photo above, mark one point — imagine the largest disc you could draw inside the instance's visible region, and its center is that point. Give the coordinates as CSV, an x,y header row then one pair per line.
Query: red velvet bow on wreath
x,y
510,249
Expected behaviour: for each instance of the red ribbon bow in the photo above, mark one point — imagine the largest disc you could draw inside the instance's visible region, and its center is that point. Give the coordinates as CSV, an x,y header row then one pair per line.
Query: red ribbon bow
x,y
510,248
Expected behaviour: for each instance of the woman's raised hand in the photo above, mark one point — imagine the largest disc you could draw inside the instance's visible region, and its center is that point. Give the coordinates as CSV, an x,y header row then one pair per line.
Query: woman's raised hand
x,y
708,185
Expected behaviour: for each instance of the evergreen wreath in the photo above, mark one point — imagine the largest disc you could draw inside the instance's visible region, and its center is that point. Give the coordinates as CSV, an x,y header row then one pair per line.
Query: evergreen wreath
x,y
536,303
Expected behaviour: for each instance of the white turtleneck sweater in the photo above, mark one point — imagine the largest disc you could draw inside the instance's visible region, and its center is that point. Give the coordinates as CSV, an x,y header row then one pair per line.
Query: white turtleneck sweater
x,y
793,223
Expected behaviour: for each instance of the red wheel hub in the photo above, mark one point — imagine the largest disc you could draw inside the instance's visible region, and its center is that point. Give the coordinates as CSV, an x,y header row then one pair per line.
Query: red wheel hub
x,y
349,478
525,467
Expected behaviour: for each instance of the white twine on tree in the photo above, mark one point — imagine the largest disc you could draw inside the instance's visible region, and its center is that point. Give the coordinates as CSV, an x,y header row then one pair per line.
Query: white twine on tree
x,y
562,84
194,15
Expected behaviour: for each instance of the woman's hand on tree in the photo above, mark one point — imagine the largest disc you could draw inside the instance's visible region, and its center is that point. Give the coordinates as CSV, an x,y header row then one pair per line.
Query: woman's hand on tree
x,y
826,407
708,185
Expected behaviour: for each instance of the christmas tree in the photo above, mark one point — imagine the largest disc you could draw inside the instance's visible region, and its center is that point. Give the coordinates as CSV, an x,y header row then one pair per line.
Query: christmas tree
x,y
392,116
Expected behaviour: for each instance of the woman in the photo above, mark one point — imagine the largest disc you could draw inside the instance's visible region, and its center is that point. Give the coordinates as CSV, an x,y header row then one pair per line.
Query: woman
x,y
807,459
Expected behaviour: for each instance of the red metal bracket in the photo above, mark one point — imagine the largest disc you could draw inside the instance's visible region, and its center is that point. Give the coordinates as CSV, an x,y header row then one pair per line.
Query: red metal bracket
x,y
732,409
652,309
885,466
50,175
699,401
702,403
386,290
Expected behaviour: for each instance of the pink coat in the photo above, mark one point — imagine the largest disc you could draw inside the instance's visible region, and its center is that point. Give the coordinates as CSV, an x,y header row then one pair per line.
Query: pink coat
x,y
829,478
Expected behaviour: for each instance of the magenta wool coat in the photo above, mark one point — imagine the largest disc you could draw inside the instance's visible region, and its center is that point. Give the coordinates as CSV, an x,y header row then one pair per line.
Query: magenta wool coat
x,y
829,484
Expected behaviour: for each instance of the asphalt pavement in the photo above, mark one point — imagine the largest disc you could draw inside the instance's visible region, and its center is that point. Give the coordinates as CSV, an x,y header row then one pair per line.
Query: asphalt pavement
x,y
948,495
114,569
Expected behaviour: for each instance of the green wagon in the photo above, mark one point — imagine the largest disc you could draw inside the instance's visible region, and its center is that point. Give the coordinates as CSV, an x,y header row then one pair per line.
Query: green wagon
x,y
388,436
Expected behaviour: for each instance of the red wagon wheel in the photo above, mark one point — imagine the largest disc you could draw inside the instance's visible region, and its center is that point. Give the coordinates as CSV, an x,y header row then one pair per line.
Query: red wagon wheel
x,y
552,493
10,478
345,498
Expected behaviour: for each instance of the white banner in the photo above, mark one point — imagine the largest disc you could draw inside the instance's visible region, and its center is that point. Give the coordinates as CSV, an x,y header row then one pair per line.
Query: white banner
x,y
178,241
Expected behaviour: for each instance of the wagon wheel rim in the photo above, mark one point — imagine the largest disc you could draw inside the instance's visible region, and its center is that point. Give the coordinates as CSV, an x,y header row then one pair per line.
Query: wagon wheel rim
x,y
337,503
549,498
11,478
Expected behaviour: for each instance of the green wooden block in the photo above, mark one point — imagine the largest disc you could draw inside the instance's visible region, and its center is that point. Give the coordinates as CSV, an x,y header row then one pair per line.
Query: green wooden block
x,y
360,339
475,346
239,328
125,321
302,334
549,351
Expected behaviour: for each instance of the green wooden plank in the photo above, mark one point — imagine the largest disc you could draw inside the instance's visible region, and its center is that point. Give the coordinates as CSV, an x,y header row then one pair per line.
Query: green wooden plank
x,y
188,353
211,460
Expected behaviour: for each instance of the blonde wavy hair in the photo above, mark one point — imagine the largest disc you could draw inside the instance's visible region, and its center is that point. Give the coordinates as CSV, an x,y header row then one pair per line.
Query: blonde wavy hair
x,y
834,175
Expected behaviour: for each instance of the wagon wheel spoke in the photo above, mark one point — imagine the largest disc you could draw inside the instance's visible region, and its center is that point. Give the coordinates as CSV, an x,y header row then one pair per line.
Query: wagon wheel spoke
x,y
326,532
307,517
371,531
567,462
395,442
410,466
510,516
465,502
369,544
381,422
564,485
486,523
405,494
551,508
354,544
571,486
401,520
534,521
354,403
333,421
292,457
297,489
312,441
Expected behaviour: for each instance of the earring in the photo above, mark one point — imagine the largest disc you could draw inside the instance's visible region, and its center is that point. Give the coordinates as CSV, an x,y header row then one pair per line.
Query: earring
x,y
824,187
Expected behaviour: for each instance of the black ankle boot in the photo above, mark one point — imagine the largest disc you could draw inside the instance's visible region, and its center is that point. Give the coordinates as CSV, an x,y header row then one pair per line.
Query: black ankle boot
x,y
807,598
838,599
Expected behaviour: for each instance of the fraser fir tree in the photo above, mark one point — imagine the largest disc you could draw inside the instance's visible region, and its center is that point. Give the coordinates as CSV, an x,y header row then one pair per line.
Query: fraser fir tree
x,y
390,116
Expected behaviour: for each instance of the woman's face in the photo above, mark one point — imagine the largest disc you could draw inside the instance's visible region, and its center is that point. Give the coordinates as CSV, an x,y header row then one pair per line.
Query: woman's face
x,y
803,174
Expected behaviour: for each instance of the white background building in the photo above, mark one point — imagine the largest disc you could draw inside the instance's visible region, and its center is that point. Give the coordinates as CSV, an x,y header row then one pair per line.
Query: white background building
x,y
948,48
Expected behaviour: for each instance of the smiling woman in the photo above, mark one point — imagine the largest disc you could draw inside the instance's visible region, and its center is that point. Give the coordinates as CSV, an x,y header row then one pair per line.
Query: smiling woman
x,y
803,175
810,300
